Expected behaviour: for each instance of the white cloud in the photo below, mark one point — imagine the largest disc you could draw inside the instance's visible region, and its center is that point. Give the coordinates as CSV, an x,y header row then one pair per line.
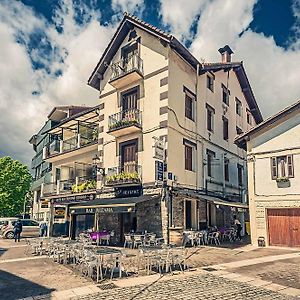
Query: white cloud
x,y
180,15
75,52
272,70
131,6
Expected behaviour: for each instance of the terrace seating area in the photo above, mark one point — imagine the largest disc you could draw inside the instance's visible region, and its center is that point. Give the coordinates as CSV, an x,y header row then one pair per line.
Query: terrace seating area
x,y
98,262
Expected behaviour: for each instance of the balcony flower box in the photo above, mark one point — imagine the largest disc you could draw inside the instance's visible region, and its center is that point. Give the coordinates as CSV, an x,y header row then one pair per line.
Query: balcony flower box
x,y
283,182
122,123
123,178
86,186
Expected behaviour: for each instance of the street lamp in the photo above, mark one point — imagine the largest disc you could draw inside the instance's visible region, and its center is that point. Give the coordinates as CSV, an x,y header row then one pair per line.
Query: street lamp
x,y
96,164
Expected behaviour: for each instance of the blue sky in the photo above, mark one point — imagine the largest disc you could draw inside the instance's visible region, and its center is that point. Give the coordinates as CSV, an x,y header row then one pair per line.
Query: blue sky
x,y
49,48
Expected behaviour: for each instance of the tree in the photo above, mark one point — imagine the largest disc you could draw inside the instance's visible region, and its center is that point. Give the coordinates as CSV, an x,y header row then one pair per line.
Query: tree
x,y
15,180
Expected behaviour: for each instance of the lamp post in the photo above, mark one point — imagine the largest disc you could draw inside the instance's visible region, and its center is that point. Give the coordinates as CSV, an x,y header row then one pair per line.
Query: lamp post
x,y
99,170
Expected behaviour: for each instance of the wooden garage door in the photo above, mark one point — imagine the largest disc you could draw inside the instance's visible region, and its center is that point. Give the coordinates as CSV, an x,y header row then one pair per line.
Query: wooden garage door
x,y
284,227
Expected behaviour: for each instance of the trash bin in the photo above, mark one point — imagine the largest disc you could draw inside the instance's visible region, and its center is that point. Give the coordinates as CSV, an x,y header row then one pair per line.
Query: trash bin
x,y
261,241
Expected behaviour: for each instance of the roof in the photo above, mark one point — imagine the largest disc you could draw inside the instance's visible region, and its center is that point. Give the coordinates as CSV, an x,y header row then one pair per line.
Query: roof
x,y
275,119
76,108
239,69
124,27
87,114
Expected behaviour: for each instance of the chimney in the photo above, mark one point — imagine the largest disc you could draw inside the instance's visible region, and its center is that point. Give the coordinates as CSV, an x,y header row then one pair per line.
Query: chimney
x,y
226,54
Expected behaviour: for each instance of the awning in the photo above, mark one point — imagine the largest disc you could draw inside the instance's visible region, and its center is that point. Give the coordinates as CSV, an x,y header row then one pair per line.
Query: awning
x,y
86,117
110,205
223,202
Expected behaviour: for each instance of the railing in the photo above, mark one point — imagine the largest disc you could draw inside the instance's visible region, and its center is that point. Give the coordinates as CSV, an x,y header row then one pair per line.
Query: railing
x,y
125,118
70,143
84,184
65,186
126,65
49,189
129,173
53,147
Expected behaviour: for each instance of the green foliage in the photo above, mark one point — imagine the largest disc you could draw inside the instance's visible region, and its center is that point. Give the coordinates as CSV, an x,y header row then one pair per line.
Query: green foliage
x,y
123,177
85,186
15,180
122,123
282,179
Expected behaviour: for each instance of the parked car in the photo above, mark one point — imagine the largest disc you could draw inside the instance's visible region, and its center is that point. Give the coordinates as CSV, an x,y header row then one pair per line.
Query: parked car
x,y
31,228
4,221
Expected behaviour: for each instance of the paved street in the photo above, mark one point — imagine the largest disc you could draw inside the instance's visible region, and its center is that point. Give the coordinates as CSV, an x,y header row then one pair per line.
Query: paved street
x,y
239,272
203,286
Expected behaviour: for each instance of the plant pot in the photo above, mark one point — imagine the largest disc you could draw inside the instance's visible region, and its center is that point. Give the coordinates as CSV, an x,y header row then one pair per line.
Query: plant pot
x,y
283,184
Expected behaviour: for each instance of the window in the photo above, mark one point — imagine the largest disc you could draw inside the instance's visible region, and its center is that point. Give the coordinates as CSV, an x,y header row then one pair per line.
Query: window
x,y
129,99
188,158
210,82
210,111
240,174
249,117
282,166
190,99
226,169
225,94
238,107
225,129
210,157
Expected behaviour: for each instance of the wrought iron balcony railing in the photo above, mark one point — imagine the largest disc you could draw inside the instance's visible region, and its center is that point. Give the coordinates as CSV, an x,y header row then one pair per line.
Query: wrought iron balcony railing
x,y
125,118
126,66
129,173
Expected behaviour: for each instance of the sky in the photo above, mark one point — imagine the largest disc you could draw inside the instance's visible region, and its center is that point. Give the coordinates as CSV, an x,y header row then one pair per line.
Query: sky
x,y
49,48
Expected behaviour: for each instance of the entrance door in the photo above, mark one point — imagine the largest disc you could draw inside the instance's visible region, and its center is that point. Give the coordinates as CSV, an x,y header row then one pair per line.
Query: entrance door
x,y
129,100
188,214
284,227
129,157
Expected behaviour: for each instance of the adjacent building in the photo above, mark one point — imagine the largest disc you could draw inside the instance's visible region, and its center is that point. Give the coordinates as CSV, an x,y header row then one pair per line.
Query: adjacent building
x,y
42,169
157,153
273,154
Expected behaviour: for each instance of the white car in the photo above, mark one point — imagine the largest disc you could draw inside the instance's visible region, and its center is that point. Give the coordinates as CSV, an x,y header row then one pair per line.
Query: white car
x,y
30,228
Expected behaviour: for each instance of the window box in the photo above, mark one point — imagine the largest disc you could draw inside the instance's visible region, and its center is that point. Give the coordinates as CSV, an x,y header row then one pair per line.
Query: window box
x,y
283,182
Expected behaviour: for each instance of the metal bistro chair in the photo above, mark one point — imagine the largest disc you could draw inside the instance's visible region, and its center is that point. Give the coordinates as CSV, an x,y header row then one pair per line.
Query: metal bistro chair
x,y
128,241
138,241
213,237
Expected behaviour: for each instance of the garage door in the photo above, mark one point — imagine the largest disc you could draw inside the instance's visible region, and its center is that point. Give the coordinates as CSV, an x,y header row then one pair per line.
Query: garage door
x,y
284,227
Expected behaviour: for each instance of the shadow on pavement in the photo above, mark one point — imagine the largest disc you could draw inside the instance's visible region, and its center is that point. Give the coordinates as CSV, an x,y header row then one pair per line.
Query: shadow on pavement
x,y
13,287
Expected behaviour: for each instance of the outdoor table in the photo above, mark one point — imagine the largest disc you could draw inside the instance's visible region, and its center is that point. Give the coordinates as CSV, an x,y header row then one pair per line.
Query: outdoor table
x,y
97,235
100,252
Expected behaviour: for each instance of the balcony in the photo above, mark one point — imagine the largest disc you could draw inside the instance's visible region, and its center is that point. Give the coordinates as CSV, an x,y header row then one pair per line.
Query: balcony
x,y
126,71
125,122
129,174
73,143
77,185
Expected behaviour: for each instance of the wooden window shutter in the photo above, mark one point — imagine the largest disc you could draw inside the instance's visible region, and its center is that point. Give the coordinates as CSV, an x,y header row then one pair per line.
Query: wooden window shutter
x,y
290,166
274,170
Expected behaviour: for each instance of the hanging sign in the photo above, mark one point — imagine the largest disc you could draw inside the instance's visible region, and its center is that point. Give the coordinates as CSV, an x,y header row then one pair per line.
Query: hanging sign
x,y
128,191
158,149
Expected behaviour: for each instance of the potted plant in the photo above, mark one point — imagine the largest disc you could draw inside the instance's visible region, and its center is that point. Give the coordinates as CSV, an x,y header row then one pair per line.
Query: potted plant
x,y
283,182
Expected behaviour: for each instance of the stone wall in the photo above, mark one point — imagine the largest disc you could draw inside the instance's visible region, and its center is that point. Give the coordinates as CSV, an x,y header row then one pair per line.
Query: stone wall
x,y
148,215
178,212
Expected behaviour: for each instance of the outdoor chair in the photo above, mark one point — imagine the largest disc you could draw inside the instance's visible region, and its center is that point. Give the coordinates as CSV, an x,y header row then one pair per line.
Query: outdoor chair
x,y
213,237
137,241
200,238
128,241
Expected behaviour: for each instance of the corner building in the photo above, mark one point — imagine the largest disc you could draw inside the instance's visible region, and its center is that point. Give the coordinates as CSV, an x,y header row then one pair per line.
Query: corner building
x,y
167,124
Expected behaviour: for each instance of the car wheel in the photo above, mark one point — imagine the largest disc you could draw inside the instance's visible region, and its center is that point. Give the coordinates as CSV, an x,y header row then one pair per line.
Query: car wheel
x,y
10,235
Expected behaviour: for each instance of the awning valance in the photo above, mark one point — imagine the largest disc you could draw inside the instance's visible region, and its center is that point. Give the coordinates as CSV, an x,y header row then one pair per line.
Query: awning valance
x,y
224,202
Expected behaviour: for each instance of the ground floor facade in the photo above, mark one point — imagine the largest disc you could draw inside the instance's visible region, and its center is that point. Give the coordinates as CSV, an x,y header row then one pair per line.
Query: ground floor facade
x,y
275,221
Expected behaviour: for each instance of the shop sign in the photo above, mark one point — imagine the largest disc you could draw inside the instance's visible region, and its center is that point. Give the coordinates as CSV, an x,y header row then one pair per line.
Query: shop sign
x,y
59,212
44,204
111,209
159,149
74,198
159,170
128,191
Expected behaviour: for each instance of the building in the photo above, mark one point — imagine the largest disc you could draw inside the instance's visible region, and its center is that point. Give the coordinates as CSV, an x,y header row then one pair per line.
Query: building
x,y
41,169
167,124
273,154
